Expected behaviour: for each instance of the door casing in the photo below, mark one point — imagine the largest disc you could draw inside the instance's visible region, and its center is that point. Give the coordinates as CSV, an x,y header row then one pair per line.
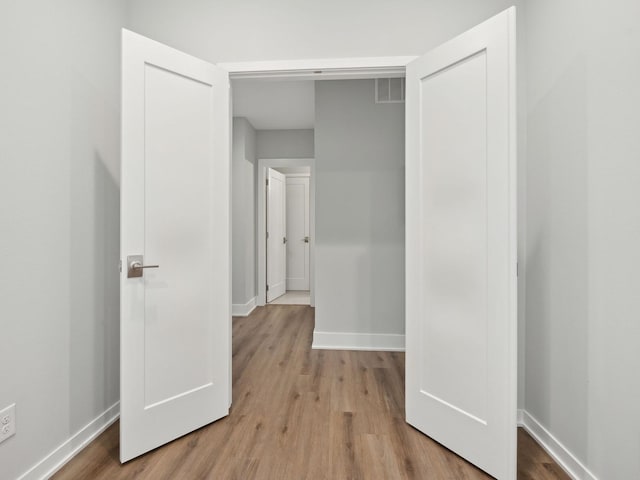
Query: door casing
x,y
263,165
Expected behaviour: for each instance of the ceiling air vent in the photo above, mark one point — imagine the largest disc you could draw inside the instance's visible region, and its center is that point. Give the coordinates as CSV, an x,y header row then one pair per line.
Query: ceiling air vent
x,y
390,90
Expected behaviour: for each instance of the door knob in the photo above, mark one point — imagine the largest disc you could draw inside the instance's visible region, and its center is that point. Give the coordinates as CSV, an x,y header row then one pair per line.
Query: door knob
x,y
306,239
135,266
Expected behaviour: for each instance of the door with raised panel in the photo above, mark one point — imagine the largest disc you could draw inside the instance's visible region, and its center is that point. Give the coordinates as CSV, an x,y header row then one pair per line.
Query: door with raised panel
x,y
461,245
297,232
276,235
175,318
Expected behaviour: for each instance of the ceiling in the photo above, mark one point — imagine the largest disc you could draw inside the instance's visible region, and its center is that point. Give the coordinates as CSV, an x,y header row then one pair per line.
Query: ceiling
x,y
275,105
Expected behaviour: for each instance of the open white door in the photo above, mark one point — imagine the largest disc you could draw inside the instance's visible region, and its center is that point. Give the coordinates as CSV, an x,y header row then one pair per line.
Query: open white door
x,y
175,319
298,233
461,245
276,235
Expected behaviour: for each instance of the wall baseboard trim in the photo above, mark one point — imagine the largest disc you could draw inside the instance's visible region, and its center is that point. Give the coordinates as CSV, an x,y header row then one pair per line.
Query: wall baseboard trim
x,y
389,342
243,309
567,460
53,462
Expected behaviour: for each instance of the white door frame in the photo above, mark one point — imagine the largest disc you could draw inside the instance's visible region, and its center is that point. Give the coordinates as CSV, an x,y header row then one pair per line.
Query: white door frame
x,y
263,165
320,68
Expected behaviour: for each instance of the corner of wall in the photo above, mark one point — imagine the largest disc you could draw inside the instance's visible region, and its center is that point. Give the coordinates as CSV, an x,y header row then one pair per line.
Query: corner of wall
x,y
559,452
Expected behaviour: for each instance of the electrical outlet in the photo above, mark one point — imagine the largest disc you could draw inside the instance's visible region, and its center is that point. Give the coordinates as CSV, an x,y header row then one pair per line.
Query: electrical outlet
x,y
7,422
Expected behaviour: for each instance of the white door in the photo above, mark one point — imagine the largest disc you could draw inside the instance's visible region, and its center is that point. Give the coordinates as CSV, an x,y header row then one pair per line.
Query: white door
x,y
297,233
175,319
461,245
276,235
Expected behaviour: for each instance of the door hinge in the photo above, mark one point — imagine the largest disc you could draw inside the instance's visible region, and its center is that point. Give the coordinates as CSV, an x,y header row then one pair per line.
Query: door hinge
x,y
267,235
267,182
120,266
267,288
517,269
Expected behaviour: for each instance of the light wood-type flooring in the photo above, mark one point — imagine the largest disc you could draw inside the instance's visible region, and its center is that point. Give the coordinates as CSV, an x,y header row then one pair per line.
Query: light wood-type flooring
x,y
302,414
293,297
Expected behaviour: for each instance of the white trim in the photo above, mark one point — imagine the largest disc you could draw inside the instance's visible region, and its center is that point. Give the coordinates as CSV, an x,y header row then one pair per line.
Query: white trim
x,y
320,68
561,454
297,175
243,309
263,164
389,342
57,459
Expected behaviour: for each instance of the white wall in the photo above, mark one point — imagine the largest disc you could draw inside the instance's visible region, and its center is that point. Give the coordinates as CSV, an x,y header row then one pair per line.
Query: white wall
x,y
583,229
59,220
243,172
359,210
282,29
285,143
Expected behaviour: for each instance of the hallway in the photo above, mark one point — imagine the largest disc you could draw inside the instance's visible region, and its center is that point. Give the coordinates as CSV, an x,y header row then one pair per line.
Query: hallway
x,y
302,414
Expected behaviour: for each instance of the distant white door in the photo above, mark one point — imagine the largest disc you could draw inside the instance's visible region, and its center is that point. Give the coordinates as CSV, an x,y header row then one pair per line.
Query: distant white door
x,y
276,235
175,225
297,233
461,245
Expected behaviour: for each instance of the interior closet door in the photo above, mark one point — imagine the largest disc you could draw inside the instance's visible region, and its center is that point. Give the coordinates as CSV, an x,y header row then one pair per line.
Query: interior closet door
x,y
276,235
297,233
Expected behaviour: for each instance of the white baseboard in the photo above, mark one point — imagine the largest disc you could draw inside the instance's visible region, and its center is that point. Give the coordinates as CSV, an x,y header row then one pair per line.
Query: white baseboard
x,y
243,309
358,341
563,457
53,462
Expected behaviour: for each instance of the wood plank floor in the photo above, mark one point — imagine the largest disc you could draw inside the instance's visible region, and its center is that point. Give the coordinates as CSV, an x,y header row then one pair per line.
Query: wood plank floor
x,y
302,414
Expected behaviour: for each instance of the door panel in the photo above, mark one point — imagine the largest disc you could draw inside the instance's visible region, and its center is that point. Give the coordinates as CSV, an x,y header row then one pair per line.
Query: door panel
x,y
297,233
276,235
461,246
175,319
455,237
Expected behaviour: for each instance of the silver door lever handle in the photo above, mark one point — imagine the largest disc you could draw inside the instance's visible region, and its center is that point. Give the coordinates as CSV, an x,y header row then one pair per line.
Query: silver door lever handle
x,y
135,267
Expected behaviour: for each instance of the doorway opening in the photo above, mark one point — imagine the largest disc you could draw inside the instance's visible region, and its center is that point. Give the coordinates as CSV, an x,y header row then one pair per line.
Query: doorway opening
x,y
287,209
358,123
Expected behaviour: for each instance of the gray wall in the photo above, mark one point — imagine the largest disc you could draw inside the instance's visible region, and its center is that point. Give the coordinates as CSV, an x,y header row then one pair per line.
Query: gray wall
x,y
285,144
284,29
359,210
59,227
583,229
243,172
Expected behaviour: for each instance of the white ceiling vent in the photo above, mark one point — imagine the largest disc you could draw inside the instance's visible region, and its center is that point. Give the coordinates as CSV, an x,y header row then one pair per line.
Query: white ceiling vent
x,y
389,90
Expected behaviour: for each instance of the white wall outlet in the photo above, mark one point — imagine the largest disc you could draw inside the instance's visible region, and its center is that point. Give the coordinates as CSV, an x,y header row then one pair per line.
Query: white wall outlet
x,y
7,422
